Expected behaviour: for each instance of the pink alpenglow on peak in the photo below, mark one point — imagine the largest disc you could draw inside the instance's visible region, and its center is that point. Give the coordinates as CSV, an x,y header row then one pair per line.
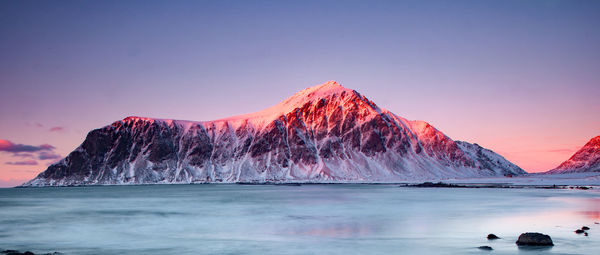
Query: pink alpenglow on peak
x,y
325,133
325,89
586,159
331,90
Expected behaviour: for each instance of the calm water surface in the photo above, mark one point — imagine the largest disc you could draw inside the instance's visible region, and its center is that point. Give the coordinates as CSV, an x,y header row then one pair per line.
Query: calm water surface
x,y
308,219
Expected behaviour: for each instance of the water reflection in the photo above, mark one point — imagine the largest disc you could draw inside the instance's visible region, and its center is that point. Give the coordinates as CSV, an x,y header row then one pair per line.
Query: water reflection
x,y
589,206
534,248
337,230
308,219
592,209
594,215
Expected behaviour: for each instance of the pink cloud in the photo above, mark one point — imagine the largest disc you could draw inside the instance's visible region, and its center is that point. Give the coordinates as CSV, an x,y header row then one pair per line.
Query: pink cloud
x,y
23,163
36,124
56,129
47,147
562,151
26,154
24,171
23,155
8,146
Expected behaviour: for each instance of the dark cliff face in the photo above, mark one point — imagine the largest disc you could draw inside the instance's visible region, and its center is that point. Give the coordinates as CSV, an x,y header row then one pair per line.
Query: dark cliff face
x,y
338,137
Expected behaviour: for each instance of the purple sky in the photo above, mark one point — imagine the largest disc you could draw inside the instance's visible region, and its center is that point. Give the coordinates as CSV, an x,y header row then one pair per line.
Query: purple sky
x,y
519,77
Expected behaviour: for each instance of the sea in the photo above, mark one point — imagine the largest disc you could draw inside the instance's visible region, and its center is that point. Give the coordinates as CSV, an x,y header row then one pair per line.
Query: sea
x,y
289,219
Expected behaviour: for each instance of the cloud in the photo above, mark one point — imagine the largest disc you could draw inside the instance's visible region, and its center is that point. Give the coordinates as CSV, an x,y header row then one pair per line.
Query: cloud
x,y
23,155
8,146
24,171
562,151
33,124
47,147
23,163
26,155
56,129
43,155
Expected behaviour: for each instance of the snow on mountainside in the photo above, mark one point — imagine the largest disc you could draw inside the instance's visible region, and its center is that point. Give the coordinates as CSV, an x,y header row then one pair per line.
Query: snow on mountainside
x,y
488,159
325,133
586,159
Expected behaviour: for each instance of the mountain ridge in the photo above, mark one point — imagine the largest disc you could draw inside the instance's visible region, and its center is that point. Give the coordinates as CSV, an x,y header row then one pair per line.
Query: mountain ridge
x,y
586,159
325,133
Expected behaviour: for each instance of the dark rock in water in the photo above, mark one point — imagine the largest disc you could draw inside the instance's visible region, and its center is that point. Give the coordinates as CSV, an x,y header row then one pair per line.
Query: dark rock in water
x,y
288,184
585,228
437,185
579,231
585,234
492,237
534,239
487,248
15,252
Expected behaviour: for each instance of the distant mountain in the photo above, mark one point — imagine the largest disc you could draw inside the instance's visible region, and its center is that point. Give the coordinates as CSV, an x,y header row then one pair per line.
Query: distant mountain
x,y
325,133
586,159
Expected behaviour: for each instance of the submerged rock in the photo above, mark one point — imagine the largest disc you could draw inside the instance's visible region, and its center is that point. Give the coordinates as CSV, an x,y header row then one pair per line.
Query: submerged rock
x,y
437,185
15,252
485,247
534,239
492,237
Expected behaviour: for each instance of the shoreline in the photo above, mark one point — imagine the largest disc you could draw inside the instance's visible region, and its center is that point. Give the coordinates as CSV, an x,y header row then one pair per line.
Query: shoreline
x,y
426,184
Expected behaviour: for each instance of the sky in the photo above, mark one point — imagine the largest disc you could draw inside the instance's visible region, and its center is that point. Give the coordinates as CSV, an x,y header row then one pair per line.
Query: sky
x,y
519,77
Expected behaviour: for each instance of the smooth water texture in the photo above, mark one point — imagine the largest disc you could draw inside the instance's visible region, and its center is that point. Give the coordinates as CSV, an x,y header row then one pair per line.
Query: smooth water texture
x,y
307,219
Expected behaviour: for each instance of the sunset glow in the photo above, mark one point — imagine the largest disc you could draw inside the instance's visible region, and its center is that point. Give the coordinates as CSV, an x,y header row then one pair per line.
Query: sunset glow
x,y
518,77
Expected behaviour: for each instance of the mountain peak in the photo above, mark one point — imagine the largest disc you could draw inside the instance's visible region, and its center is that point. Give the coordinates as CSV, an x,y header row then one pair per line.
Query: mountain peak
x,y
322,90
586,159
137,118
330,84
299,99
325,133
595,141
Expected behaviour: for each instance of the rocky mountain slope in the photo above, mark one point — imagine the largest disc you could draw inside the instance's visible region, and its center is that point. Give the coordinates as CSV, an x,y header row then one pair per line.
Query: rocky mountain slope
x,y
325,133
586,159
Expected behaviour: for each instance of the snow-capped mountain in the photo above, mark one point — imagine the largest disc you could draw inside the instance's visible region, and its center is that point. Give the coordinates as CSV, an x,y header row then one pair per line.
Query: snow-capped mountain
x,y
586,159
325,133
